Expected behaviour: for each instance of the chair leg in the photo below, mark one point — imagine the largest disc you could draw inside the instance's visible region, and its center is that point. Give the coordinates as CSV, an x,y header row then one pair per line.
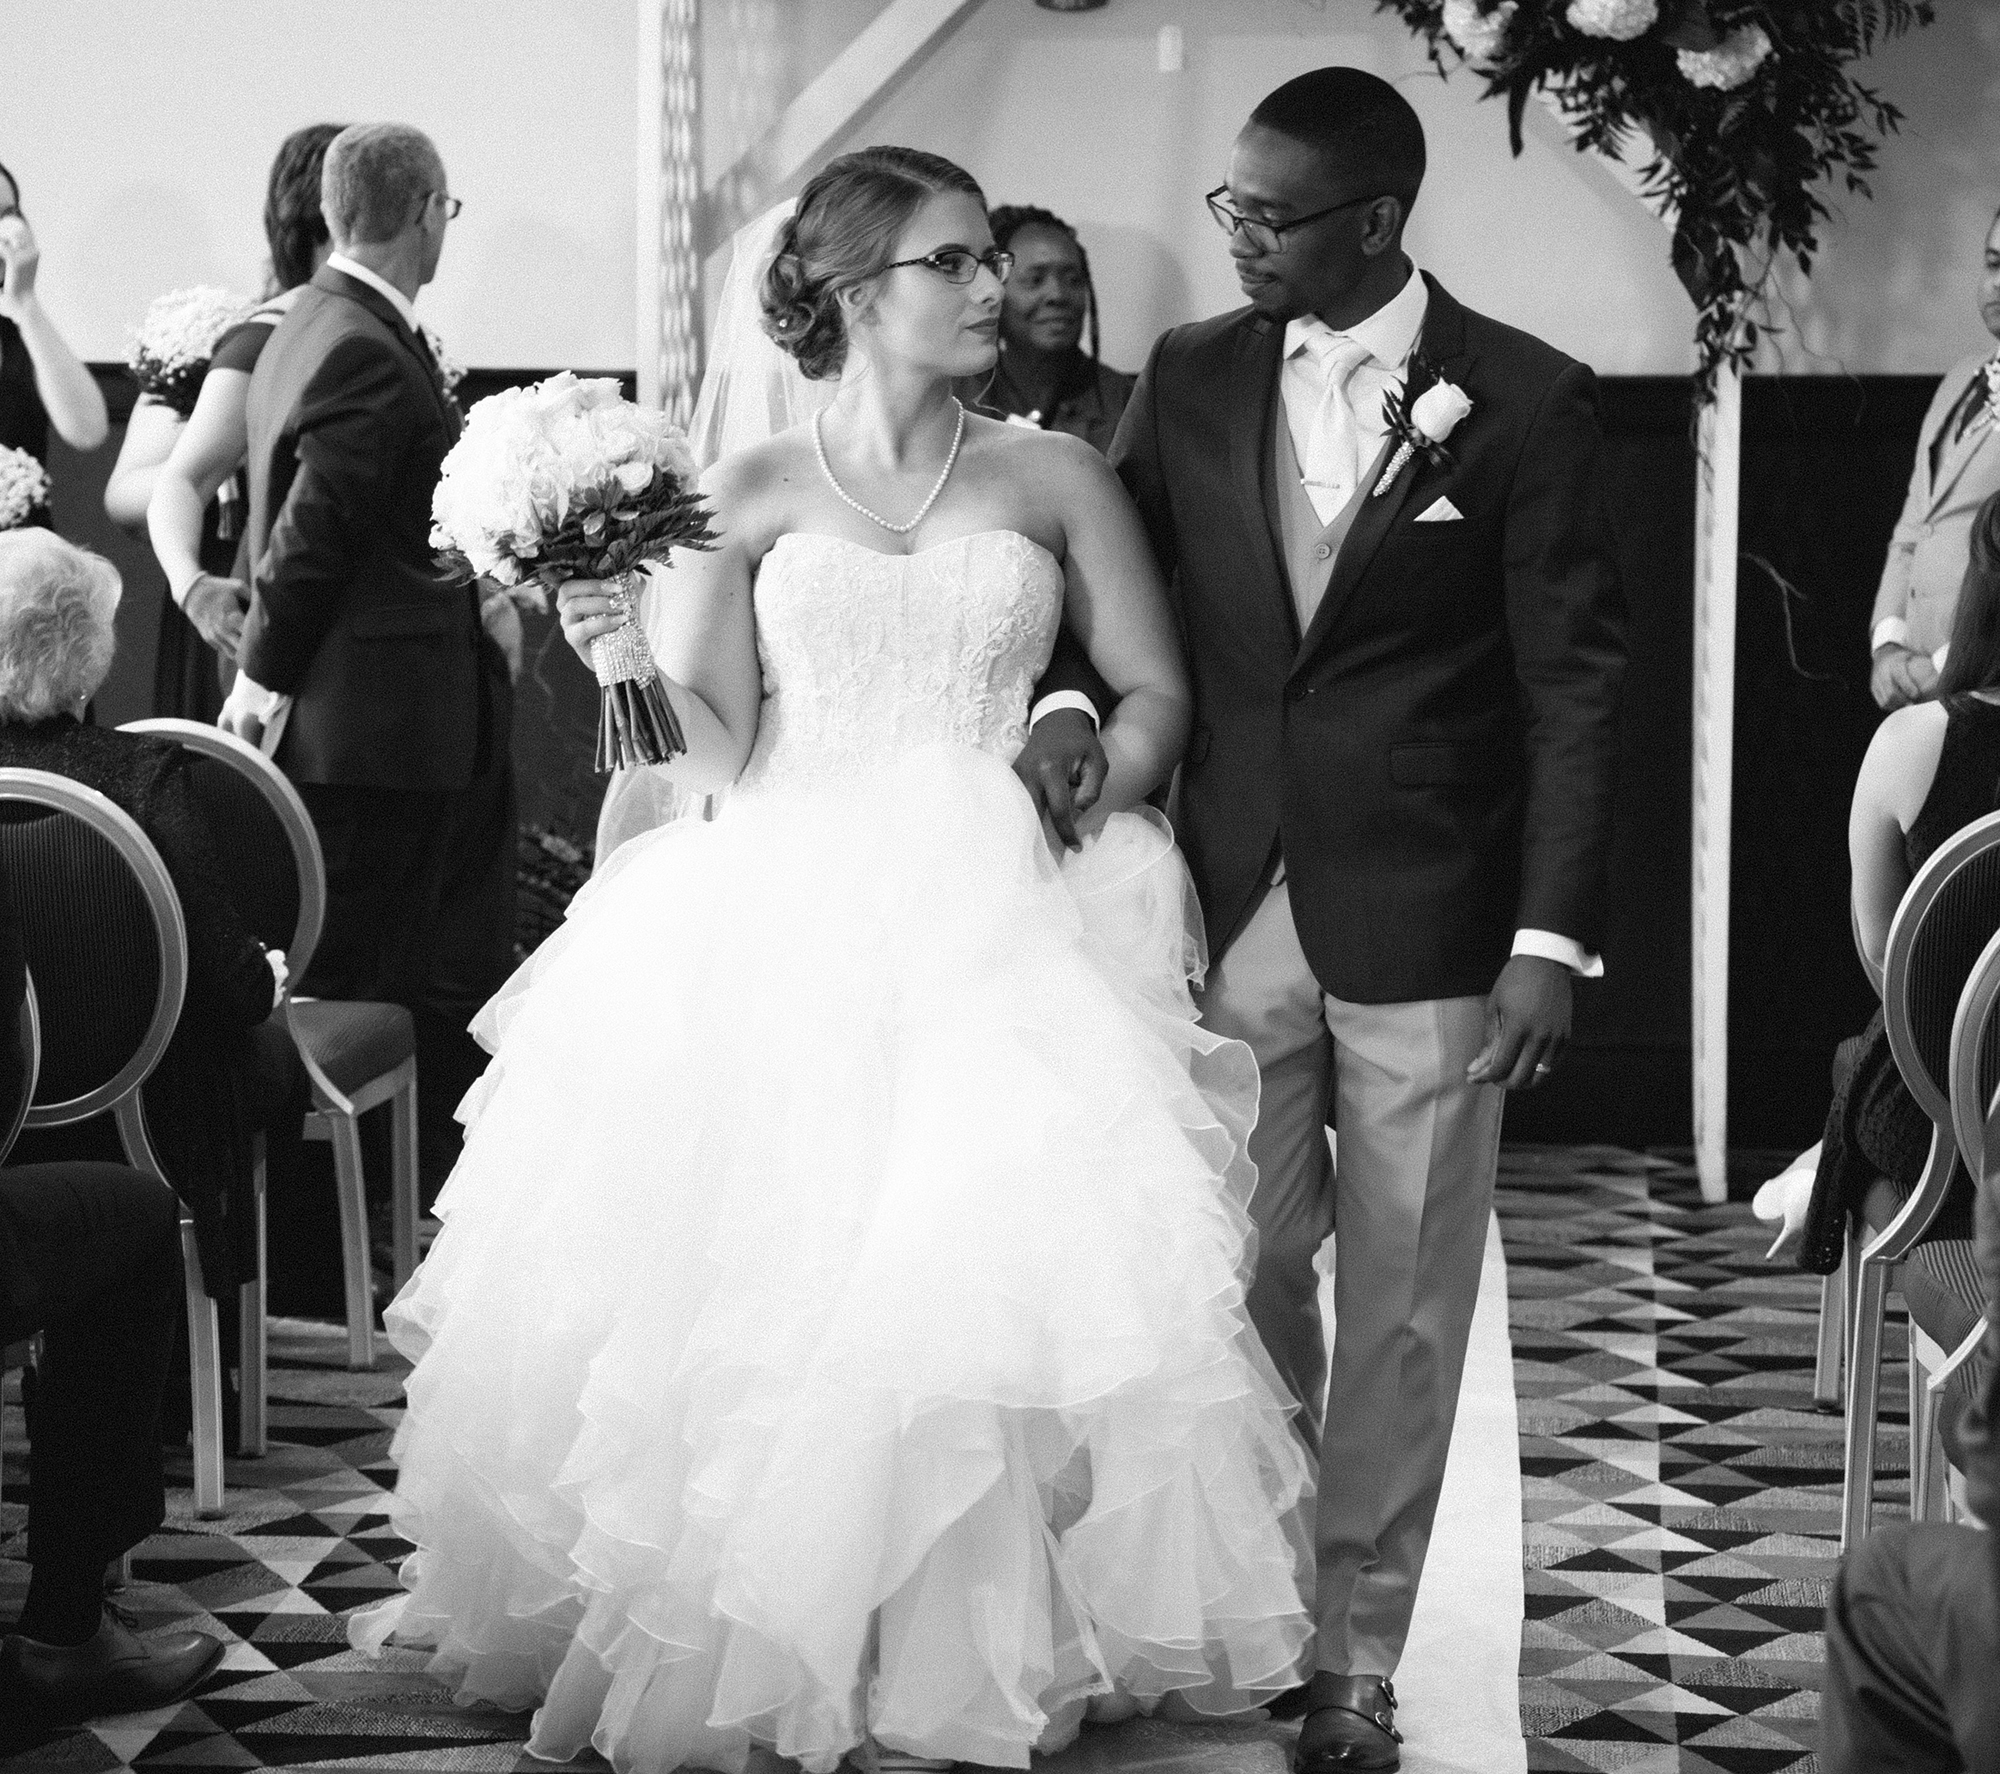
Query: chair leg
x,y
354,1264
1864,1381
1923,1430
1827,1389
253,1358
405,1175
204,1381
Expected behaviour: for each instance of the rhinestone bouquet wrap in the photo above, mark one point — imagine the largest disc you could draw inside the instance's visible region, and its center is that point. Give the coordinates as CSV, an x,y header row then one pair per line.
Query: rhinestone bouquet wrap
x,y
569,480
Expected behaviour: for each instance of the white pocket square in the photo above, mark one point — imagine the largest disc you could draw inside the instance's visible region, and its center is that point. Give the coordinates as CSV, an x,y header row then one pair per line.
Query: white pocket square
x,y
1440,511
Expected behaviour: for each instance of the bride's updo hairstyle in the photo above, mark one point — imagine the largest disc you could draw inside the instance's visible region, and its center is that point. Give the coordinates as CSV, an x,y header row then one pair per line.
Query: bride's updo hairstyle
x,y
844,231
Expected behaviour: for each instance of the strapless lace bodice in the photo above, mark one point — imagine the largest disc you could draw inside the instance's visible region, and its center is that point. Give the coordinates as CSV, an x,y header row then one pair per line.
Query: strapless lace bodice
x,y
866,656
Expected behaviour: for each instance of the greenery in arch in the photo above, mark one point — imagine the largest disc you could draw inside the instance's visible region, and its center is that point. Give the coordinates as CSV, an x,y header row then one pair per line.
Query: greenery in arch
x,y
1750,109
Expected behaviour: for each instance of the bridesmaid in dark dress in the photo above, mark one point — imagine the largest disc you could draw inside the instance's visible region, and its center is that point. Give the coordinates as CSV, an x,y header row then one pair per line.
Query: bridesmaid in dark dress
x,y
179,480
43,386
1931,770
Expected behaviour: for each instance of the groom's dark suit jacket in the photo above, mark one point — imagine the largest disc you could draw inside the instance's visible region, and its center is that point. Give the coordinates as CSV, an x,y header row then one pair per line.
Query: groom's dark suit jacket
x,y
349,614
1435,754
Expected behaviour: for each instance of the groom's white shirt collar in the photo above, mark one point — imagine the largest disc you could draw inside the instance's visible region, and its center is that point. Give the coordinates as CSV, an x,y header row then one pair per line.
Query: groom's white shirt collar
x,y
1390,333
361,274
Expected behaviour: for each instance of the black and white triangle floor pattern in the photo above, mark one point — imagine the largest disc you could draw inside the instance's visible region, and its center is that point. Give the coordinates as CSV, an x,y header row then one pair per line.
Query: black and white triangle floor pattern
x,y
1680,1497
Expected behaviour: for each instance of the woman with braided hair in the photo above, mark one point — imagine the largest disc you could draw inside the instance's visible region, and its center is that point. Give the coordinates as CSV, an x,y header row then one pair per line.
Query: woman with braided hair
x,y
1044,376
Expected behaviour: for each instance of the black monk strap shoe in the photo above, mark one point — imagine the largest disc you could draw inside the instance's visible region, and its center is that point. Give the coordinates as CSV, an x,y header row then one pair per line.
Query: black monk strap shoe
x,y
1350,1724
112,1671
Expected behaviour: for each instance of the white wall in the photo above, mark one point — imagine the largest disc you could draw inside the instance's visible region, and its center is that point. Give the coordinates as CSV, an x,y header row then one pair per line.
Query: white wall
x,y
143,130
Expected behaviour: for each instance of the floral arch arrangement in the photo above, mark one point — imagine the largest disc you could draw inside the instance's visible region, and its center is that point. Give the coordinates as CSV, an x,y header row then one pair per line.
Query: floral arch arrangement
x,y
1749,108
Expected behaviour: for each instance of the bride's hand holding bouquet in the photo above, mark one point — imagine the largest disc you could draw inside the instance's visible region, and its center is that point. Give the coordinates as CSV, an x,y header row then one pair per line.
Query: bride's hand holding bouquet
x,y
568,487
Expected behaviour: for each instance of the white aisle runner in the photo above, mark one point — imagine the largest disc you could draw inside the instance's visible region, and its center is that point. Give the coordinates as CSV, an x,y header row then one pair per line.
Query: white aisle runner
x,y
1460,1681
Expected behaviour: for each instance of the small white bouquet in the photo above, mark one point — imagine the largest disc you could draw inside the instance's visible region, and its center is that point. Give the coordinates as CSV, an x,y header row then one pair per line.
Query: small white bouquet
x,y
569,480
24,488
169,350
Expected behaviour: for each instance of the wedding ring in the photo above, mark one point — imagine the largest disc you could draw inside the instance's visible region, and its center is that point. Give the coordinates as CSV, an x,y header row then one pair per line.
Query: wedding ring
x,y
1543,1066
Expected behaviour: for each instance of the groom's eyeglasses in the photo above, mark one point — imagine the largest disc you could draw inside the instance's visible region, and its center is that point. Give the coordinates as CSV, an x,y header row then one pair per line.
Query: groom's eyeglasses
x,y
959,264
1266,237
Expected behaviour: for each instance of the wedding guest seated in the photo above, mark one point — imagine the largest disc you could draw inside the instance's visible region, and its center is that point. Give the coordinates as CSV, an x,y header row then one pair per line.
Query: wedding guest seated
x,y
1913,1626
1044,376
1932,768
1956,467
42,384
176,478
229,1073
90,1259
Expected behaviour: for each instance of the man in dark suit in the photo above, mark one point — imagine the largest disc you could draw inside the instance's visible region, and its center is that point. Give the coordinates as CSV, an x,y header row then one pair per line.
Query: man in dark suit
x,y
1397,799
366,673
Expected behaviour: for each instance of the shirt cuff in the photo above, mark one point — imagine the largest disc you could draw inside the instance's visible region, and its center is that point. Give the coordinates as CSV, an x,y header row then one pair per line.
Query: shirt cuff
x,y
1548,946
1890,631
1063,699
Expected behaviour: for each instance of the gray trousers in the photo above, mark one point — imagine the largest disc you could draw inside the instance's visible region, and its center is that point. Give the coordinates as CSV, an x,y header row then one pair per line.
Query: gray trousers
x,y
1419,1148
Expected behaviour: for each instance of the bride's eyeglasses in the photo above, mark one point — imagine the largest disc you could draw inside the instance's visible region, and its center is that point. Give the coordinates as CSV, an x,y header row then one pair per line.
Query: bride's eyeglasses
x,y
959,264
1266,237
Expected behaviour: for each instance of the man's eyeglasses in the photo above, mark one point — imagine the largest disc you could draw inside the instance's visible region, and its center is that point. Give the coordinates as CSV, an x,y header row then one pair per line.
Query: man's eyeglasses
x,y
1266,237
452,205
958,264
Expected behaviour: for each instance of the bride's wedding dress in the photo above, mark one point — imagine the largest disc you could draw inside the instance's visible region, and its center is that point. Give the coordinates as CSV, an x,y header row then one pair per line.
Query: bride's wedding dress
x,y
837,1327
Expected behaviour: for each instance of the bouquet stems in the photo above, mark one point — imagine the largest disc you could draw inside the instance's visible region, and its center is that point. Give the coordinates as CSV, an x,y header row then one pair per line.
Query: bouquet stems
x,y
636,724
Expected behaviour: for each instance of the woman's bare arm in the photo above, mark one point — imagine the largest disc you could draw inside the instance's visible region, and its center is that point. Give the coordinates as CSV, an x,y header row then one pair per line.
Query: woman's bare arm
x,y
150,435
1116,605
705,638
1889,793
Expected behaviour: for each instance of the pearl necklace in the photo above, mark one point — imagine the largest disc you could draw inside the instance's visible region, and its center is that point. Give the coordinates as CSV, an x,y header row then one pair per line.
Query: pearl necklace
x,y
923,510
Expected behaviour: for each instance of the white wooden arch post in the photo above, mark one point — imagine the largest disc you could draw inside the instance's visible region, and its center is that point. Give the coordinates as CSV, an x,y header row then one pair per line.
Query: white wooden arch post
x,y
1718,488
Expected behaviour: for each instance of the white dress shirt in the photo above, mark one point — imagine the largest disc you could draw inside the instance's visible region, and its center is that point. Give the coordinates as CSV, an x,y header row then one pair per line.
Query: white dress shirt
x,y
247,696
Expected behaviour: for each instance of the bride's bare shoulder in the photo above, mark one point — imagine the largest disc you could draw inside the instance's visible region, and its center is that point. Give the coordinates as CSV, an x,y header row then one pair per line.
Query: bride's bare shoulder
x,y
753,491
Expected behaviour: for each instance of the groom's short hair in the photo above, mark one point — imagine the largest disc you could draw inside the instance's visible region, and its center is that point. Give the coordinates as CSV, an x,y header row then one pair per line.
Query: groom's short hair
x,y
1357,123
373,178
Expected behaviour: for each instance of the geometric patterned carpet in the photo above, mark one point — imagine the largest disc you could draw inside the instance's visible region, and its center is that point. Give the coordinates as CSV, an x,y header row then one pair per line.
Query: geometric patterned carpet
x,y
1681,1493
1680,1496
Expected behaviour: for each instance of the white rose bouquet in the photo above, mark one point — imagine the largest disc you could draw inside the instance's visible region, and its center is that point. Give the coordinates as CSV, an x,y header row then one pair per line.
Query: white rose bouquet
x,y
569,480
169,350
24,488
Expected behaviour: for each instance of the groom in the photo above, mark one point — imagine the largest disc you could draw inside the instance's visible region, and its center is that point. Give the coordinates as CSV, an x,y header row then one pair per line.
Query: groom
x,y
1397,799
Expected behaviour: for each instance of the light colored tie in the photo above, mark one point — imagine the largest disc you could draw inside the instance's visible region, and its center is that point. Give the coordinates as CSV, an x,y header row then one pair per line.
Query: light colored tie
x,y
1333,445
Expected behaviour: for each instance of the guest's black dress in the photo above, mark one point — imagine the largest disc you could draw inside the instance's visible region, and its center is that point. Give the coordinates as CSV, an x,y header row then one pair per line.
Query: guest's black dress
x,y
1088,402
24,421
189,678
228,1073
1874,1127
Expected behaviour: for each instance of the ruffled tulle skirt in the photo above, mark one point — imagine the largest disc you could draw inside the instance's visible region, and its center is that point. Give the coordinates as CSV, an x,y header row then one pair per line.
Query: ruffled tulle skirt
x,y
837,1326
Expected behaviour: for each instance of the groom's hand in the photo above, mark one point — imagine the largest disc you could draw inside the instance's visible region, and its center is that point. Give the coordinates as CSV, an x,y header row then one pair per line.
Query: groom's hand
x,y
1527,1024
1062,767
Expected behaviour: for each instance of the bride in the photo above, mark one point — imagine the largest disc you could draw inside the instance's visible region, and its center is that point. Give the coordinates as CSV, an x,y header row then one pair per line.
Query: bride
x,y
836,1339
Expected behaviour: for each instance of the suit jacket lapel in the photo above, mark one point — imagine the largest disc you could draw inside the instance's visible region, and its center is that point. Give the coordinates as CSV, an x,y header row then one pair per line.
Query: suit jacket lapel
x,y
379,305
1961,451
1442,348
1255,364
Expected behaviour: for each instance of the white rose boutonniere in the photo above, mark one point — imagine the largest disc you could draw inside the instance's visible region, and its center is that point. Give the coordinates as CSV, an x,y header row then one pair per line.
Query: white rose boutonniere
x,y
1422,425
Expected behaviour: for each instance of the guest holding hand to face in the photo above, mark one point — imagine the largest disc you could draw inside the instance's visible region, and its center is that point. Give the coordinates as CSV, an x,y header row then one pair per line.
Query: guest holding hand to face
x,y
42,384
1044,376
171,471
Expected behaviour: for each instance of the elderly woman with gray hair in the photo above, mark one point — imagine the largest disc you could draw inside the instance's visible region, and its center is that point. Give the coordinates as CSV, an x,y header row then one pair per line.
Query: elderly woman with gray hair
x,y
228,1073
